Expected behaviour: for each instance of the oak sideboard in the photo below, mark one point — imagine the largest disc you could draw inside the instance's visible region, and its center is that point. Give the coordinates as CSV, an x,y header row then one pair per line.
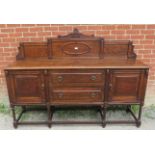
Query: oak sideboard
x,y
76,70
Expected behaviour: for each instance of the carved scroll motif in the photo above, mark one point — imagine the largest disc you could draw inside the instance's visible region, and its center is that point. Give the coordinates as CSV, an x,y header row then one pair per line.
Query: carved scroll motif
x,y
20,55
76,34
131,54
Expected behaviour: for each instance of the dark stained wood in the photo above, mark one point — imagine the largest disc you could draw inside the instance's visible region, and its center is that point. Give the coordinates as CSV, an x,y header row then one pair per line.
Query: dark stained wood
x,y
79,45
26,87
76,77
119,49
126,85
77,64
77,70
65,48
76,95
32,50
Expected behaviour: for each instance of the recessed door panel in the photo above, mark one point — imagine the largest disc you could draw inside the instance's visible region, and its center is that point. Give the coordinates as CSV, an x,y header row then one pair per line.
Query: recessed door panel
x,y
28,87
125,85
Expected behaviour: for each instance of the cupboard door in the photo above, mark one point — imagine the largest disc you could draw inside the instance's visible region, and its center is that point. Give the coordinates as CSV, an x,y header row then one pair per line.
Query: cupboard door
x,y
27,87
127,86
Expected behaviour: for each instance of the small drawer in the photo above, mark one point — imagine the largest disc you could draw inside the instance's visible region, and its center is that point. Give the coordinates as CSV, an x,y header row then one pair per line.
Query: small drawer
x,y
77,95
77,78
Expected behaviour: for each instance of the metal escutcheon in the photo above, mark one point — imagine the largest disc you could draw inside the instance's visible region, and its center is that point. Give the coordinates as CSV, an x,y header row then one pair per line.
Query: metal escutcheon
x,y
60,95
93,77
93,95
60,78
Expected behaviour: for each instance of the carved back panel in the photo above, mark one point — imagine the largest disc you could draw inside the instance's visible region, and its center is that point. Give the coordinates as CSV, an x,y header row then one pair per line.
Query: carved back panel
x,y
77,45
74,48
29,50
119,49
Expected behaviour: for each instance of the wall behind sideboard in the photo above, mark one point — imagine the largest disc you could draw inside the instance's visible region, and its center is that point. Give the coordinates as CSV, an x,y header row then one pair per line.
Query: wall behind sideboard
x,y
143,37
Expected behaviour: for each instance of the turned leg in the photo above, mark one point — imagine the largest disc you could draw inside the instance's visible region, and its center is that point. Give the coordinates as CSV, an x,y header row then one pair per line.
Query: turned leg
x,y
128,108
24,108
138,122
14,117
138,118
103,114
49,115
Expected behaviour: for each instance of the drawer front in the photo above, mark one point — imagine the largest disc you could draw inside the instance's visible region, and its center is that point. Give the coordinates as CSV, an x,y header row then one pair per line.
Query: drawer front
x,y
74,95
76,78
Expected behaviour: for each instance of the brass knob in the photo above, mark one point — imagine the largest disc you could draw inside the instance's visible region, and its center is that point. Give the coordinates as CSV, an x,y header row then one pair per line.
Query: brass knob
x,y
93,77
42,85
110,85
60,95
93,95
60,78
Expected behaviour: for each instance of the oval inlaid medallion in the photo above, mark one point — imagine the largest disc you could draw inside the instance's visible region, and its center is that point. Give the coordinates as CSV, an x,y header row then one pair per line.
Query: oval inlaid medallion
x,y
75,49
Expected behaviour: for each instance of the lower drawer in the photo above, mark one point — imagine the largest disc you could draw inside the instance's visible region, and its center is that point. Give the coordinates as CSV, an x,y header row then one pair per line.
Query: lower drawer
x,y
74,95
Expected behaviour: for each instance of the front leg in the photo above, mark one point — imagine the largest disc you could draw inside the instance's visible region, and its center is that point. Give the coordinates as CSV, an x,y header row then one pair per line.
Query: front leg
x,y
103,116
15,123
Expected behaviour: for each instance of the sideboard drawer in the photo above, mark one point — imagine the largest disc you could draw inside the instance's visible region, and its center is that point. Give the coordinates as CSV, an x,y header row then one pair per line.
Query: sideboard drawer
x,y
66,78
73,95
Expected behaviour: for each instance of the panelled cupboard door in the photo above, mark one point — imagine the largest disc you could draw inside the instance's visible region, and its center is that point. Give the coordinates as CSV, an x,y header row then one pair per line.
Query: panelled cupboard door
x,y
27,87
127,86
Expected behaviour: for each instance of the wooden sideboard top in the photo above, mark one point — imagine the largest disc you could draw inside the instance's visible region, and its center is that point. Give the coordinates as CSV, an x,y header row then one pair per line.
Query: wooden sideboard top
x,y
76,64
76,51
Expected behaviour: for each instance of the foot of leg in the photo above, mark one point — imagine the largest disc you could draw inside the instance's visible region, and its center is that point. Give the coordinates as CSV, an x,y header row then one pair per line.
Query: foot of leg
x,y
49,116
15,125
24,108
49,125
138,124
103,125
127,109
103,115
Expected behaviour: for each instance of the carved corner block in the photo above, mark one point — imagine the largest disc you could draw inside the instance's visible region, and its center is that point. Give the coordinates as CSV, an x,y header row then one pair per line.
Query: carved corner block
x,y
131,54
20,55
6,73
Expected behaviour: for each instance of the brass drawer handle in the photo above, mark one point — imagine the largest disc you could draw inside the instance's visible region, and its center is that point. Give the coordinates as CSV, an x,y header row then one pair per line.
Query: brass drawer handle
x,y
60,95
93,77
60,78
93,95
